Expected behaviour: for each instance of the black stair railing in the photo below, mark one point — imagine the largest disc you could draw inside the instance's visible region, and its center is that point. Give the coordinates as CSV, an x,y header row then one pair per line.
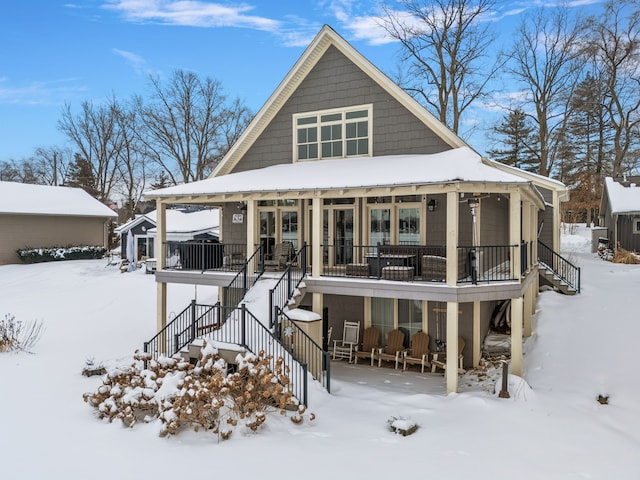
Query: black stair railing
x,y
246,277
242,328
303,348
284,289
562,268
188,325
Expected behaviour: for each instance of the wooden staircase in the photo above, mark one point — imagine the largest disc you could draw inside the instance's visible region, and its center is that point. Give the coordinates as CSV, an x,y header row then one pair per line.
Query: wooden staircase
x,y
557,271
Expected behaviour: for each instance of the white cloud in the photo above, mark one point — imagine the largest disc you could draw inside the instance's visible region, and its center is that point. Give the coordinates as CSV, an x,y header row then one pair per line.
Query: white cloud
x,y
138,63
192,13
39,93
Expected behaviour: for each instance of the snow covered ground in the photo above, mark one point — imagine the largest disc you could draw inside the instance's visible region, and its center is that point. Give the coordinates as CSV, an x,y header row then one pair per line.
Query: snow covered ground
x,y
583,346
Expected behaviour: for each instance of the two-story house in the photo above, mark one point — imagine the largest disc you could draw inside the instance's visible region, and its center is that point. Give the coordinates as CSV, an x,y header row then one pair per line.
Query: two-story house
x,y
402,224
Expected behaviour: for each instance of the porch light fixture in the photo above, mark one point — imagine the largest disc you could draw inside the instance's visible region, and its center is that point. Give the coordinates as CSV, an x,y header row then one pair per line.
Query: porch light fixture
x,y
242,206
431,205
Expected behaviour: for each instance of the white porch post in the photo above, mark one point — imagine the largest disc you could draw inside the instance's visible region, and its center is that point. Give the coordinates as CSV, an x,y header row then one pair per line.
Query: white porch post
x,y
516,335
451,372
476,334
251,227
515,225
452,238
316,250
161,238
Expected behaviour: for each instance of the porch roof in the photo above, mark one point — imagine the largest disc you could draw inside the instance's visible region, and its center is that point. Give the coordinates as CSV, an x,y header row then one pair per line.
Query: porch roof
x,y
458,165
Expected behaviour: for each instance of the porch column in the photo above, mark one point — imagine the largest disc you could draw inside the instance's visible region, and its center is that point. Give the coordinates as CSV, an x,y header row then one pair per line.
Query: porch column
x,y
316,250
316,237
534,254
476,334
514,230
527,313
161,238
526,232
251,227
557,220
451,372
516,335
452,239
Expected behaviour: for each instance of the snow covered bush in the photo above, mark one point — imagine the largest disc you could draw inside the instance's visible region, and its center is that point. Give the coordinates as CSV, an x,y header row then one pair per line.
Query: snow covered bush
x,y
201,396
50,254
18,335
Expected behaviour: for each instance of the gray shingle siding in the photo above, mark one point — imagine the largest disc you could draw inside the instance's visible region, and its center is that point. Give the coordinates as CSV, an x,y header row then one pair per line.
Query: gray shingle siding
x,y
336,82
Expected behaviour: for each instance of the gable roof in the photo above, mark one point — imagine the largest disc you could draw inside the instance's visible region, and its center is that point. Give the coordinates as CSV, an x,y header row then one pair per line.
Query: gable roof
x,y
622,199
326,37
27,199
457,165
179,222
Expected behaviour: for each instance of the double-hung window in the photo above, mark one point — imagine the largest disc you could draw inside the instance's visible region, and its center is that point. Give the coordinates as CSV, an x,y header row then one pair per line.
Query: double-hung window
x,y
333,133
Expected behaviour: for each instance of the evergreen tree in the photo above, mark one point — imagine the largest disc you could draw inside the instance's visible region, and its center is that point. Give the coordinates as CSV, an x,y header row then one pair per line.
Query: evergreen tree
x,y
515,135
81,176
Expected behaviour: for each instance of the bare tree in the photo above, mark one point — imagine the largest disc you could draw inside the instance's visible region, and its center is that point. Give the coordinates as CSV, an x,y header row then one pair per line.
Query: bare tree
x,y
95,134
615,44
130,161
54,164
184,125
444,45
544,58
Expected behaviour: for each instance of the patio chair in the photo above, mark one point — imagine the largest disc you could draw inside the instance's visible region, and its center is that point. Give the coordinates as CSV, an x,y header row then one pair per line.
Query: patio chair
x,y
282,254
418,354
439,359
393,350
345,347
370,344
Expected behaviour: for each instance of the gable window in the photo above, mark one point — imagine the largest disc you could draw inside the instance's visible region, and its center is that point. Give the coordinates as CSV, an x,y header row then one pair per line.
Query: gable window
x,y
333,133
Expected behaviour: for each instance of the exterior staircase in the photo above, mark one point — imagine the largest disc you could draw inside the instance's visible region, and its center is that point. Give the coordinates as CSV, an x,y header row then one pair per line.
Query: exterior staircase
x,y
558,272
235,329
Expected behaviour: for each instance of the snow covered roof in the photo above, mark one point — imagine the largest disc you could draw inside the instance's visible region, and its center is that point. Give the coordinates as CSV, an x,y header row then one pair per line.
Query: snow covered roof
x,y
622,199
180,223
456,165
27,199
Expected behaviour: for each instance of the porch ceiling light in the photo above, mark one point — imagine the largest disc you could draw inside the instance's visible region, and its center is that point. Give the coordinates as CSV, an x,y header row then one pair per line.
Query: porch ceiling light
x,y
431,205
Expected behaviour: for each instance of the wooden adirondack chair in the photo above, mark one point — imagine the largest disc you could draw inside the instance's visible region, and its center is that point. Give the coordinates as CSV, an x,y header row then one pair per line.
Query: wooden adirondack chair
x,y
418,354
394,348
439,359
282,254
370,344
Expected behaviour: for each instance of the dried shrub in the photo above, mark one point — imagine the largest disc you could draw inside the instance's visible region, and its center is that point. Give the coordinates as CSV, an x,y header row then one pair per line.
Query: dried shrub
x,y
201,396
624,256
16,335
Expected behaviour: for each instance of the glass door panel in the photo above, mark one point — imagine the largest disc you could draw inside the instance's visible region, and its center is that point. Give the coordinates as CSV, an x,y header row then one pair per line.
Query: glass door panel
x,y
343,236
289,227
267,231
380,226
409,226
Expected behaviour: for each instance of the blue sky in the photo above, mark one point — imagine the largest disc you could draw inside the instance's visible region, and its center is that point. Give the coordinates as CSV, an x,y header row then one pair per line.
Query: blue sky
x,y
57,51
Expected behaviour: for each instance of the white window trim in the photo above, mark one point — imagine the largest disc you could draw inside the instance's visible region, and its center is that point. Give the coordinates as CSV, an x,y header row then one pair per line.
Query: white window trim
x,y
636,224
318,113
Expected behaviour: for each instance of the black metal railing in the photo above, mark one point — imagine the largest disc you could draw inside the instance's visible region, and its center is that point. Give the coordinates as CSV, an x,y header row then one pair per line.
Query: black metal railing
x,y
426,263
246,277
284,290
202,255
242,328
303,348
188,325
486,263
562,268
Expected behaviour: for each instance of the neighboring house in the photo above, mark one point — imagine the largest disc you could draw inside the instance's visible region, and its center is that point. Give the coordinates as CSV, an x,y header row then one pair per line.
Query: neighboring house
x,y
183,225
620,212
46,216
399,223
